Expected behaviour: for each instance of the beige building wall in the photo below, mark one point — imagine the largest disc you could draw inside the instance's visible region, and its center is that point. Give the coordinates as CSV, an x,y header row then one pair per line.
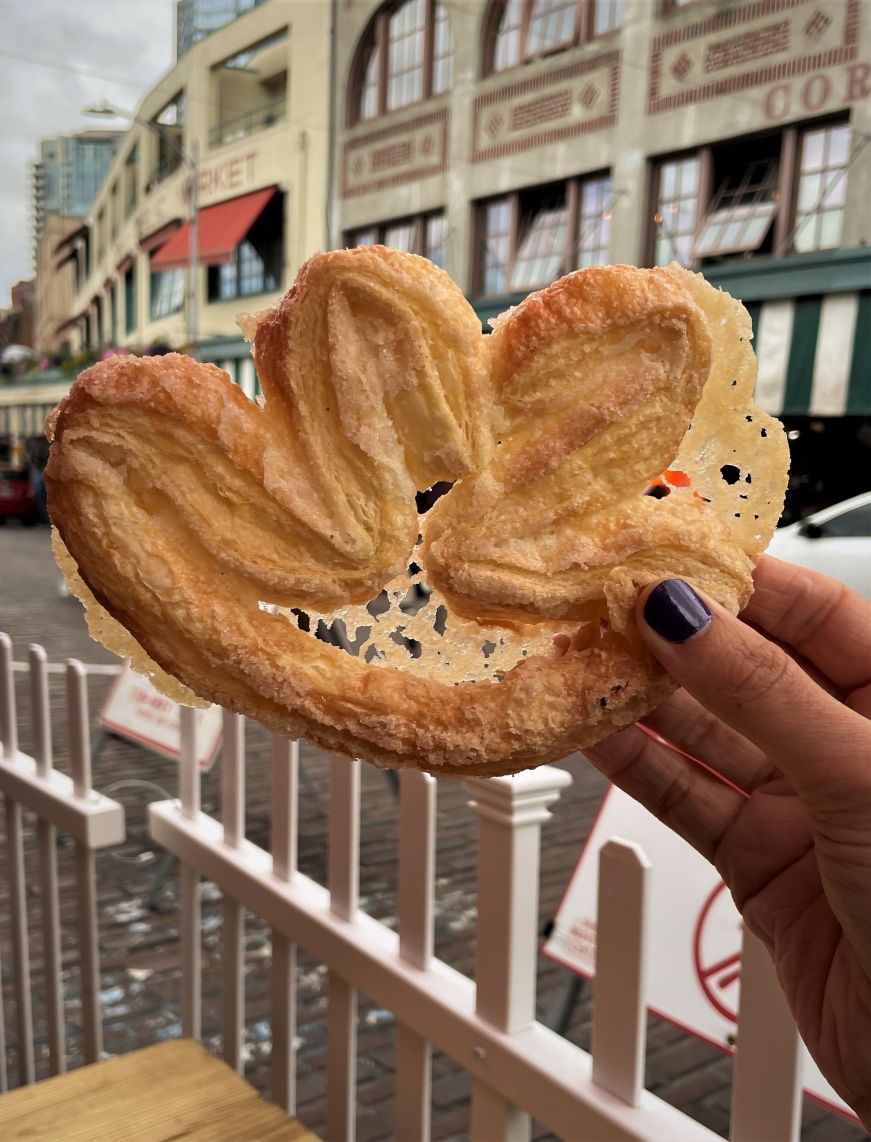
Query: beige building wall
x,y
671,78
54,284
285,147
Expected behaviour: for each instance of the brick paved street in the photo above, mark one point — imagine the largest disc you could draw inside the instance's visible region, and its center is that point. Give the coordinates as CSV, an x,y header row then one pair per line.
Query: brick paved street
x,y
139,910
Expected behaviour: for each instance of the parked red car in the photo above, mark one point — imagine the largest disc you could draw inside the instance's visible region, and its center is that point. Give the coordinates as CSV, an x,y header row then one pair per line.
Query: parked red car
x,y
16,499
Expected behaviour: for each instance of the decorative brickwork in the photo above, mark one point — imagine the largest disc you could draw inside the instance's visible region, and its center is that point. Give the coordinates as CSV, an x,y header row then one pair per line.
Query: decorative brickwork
x,y
541,110
402,152
575,99
806,39
748,46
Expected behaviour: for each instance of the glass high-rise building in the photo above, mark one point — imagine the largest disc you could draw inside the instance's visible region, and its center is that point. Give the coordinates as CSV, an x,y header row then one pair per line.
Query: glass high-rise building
x,y
69,172
196,19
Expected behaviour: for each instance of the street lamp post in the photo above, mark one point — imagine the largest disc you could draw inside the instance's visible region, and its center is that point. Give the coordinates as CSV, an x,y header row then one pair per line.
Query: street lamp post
x,y
190,160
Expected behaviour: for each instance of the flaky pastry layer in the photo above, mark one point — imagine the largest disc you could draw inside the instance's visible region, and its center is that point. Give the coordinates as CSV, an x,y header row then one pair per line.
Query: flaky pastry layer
x,y
191,513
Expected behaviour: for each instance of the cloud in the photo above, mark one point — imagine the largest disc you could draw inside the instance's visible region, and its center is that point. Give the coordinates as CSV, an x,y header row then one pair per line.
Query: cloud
x,y
96,49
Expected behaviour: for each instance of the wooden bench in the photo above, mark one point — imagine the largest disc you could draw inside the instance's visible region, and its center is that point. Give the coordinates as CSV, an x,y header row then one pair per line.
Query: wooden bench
x,y
175,1090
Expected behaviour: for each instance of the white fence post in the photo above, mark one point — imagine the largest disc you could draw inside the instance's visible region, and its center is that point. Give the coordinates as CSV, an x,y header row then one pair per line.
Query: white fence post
x,y
86,866
285,816
344,876
48,880
233,936
512,811
191,922
766,1087
619,1010
417,821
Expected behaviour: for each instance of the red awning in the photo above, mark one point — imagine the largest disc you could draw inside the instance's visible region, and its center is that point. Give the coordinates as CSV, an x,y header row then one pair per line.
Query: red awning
x,y
159,237
221,228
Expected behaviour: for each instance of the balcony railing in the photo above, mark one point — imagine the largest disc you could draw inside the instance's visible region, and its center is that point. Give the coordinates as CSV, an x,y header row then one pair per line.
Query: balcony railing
x,y
257,119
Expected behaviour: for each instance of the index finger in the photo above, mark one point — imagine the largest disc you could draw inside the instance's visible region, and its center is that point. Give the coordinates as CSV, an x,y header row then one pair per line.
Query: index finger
x,y
826,622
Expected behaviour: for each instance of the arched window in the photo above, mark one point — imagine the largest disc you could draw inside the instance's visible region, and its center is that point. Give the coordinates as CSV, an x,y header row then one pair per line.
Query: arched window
x,y
524,30
406,55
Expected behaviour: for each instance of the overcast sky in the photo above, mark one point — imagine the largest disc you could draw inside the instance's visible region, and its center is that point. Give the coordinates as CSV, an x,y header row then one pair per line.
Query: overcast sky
x,y
57,57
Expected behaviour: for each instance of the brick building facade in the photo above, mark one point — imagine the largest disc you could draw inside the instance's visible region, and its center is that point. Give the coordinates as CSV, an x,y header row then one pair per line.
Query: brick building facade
x,y
514,140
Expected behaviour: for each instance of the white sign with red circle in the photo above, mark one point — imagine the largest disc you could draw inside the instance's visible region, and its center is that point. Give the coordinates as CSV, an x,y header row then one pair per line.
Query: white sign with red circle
x,y
136,711
694,972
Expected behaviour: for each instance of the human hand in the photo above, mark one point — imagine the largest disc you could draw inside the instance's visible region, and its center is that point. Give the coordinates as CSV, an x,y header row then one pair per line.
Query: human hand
x,y
782,713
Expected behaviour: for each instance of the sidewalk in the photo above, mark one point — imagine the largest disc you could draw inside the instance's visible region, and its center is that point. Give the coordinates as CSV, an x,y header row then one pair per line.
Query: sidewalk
x,y
139,907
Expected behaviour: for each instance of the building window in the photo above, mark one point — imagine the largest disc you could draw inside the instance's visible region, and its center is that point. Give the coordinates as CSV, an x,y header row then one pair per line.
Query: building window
x,y
822,188
530,238
774,194
257,262
131,181
250,90
167,293
168,128
525,30
407,55
129,300
424,234
113,315
676,210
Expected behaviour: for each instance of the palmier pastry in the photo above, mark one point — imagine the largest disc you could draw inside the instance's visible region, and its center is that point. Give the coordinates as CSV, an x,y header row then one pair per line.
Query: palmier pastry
x,y
204,531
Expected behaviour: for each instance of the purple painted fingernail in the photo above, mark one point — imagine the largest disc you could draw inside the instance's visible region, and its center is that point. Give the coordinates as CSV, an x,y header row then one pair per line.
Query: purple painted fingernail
x,y
675,612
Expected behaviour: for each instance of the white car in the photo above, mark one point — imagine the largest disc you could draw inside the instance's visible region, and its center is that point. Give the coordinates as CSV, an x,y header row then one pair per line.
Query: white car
x,y
835,541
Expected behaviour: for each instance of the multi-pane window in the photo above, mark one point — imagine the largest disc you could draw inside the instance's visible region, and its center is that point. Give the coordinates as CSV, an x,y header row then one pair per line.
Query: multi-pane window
x,y
129,300
435,241
406,30
369,89
741,212
251,270
541,254
400,236
676,210
775,194
822,188
406,56
524,30
529,239
551,25
131,188
594,222
509,34
496,251
256,264
167,293
425,234
442,52
607,16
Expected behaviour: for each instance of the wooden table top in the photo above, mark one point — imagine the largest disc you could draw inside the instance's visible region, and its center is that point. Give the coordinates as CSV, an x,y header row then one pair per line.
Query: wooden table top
x,y
175,1090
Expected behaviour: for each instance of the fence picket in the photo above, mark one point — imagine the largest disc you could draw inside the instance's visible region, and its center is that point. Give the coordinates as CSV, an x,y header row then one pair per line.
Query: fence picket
x,y
344,878
619,1011
417,820
20,943
191,953
285,815
86,870
512,811
766,1087
233,819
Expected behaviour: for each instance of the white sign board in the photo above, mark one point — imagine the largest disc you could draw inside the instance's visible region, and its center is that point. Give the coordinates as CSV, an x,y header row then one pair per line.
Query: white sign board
x,y
694,972
136,711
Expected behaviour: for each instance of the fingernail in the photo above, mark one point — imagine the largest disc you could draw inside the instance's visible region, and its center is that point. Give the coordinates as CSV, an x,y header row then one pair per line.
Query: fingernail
x,y
675,612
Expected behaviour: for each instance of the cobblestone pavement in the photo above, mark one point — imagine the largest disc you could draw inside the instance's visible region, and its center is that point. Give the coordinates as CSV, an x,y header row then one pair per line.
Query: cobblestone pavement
x,y
139,906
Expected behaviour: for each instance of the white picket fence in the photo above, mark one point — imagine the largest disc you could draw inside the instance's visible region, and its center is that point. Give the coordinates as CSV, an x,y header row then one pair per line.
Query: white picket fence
x,y
520,1069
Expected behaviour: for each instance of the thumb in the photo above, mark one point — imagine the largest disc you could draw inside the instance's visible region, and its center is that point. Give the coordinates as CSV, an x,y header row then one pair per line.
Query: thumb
x,y
757,689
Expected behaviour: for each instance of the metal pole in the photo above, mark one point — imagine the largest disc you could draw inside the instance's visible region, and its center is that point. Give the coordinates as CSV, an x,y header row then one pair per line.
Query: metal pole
x,y
193,251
